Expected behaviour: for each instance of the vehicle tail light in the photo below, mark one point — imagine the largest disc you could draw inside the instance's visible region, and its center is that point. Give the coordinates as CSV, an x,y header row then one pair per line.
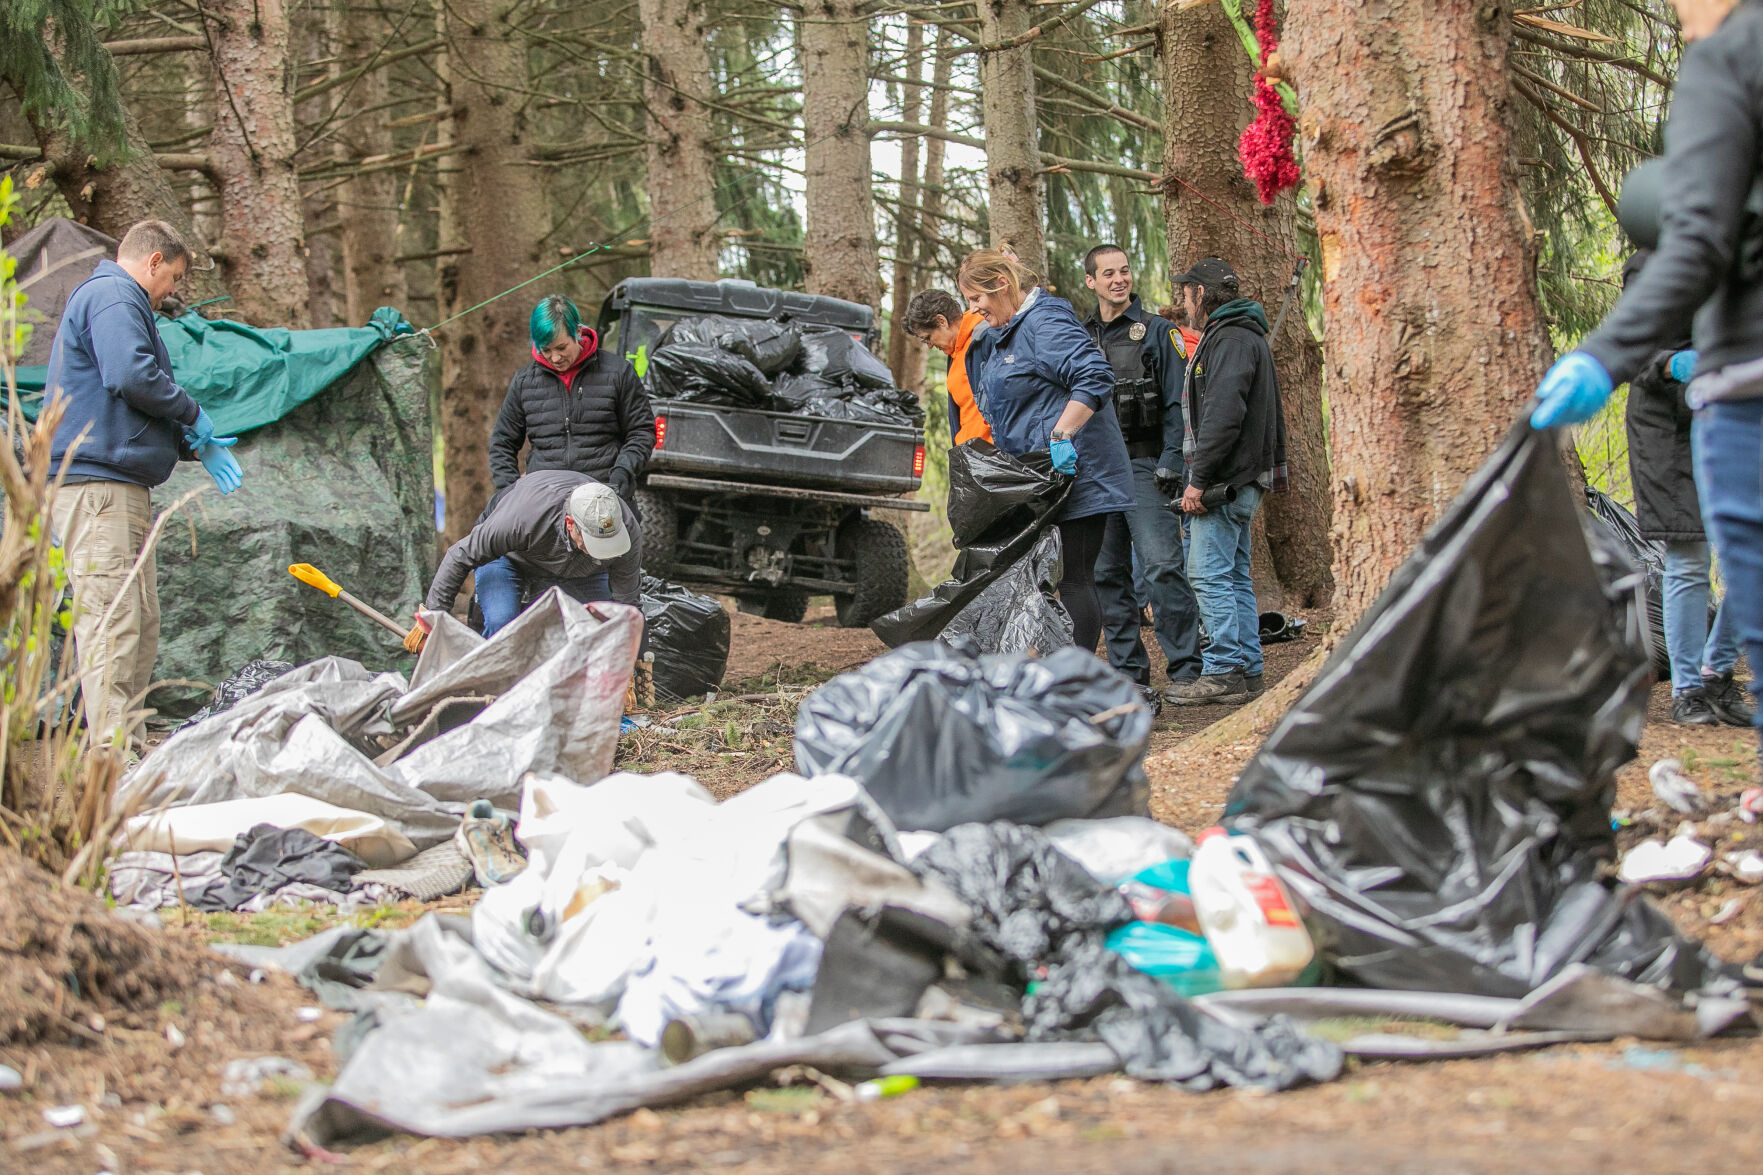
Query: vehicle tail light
x,y
661,431
917,461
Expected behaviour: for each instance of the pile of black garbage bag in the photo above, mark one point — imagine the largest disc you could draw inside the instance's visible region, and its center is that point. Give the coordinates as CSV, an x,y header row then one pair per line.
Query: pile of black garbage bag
x,y
777,367
1000,593
1649,555
1440,796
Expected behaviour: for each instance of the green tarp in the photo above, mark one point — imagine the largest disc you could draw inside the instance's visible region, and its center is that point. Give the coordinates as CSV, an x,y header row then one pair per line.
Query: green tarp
x,y
344,481
247,377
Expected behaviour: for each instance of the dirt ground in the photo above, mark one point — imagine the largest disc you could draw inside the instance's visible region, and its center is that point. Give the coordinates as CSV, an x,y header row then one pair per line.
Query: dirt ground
x,y
153,1104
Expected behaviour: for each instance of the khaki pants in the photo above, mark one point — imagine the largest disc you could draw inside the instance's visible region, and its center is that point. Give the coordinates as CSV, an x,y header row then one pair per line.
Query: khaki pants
x,y
103,525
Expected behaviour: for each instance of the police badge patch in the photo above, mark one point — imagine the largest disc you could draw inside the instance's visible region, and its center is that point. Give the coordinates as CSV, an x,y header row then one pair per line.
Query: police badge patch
x,y
1136,332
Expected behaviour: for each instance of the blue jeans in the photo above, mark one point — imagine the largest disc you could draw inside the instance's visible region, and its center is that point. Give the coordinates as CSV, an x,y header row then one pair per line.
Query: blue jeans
x,y
1151,532
1694,644
502,592
1218,567
1728,447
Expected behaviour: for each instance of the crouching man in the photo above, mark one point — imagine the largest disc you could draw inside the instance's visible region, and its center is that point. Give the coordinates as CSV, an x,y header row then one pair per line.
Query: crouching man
x,y
553,528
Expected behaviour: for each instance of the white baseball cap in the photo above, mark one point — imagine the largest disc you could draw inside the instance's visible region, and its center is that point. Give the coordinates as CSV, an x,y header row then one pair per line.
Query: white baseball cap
x,y
599,519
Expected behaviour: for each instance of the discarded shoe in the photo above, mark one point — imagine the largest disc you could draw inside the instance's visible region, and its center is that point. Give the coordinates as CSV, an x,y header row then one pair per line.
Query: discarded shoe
x,y
1211,689
1726,698
488,843
1692,708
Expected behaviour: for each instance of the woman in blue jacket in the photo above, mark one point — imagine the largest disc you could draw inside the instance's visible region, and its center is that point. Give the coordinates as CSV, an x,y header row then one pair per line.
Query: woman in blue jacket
x,y
1042,384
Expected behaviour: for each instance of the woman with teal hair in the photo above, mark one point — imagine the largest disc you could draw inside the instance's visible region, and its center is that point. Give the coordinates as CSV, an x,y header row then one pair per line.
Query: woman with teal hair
x,y
572,406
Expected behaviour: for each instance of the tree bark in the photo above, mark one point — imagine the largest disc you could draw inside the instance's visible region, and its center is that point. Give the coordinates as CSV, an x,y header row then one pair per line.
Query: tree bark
x,y
682,159
930,230
316,35
367,206
113,198
905,353
838,239
1208,89
1017,191
496,203
1435,333
252,147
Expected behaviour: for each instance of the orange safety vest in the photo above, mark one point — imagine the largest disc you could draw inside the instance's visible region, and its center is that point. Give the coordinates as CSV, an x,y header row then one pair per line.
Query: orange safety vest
x,y
972,424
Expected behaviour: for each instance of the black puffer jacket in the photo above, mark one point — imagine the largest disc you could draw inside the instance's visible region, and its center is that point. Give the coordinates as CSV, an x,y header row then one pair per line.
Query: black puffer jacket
x,y
602,426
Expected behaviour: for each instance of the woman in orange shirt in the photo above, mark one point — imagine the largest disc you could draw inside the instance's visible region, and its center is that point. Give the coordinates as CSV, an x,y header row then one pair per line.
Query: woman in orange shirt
x,y
936,318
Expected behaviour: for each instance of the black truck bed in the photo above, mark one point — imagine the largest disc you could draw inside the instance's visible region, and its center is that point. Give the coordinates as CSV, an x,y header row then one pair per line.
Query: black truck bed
x,y
812,452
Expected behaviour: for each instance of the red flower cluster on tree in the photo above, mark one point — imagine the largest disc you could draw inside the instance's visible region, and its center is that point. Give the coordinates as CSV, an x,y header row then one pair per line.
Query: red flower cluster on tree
x,y
1266,145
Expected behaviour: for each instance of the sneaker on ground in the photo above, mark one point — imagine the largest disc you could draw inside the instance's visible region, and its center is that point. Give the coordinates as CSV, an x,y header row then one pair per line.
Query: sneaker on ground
x,y
1211,689
488,843
1691,708
1726,698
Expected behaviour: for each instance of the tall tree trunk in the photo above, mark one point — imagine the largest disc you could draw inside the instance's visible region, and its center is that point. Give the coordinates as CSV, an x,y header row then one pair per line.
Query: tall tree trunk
x,y
682,159
1208,85
252,147
1017,190
1435,334
110,199
497,204
905,353
838,240
930,222
367,205
318,211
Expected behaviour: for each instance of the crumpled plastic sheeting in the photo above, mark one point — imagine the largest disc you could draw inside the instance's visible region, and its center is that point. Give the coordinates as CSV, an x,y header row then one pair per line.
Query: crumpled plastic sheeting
x,y
560,673
1439,798
940,737
639,889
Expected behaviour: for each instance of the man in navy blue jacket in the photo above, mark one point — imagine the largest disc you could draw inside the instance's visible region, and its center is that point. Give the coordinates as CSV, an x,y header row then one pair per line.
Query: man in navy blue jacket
x,y
112,368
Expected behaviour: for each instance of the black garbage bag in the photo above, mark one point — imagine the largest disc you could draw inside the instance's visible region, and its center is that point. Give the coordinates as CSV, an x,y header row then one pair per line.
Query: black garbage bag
x,y
1018,612
244,681
769,346
1650,554
999,507
688,635
814,395
940,735
1040,909
706,374
836,357
1440,796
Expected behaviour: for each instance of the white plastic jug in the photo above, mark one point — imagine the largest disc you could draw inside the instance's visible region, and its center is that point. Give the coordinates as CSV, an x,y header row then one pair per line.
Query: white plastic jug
x,y
1246,913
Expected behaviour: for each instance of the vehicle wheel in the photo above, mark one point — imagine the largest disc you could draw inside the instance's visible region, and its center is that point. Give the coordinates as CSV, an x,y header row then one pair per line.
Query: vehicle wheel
x,y
660,524
786,604
879,551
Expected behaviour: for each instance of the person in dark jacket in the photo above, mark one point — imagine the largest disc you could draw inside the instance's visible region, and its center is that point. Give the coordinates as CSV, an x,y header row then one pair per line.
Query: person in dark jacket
x,y
1042,384
1669,511
581,408
111,365
1150,363
1239,440
556,528
1707,273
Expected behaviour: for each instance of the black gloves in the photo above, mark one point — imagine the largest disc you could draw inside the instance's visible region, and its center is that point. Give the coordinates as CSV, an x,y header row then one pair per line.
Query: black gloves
x,y
622,482
1169,482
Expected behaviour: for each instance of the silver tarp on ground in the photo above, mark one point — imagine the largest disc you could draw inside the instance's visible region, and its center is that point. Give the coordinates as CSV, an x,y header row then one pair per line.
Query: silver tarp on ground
x,y
545,694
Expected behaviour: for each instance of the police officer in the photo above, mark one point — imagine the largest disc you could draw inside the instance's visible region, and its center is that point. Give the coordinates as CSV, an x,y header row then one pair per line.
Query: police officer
x,y
1149,359
1708,267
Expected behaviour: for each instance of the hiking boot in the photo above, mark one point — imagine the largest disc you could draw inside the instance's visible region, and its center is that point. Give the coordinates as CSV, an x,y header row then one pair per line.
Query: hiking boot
x,y
1257,683
1211,689
1692,708
488,843
1726,698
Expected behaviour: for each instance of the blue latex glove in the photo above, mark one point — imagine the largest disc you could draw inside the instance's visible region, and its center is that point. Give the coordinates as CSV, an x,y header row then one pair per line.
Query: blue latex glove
x,y
201,432
220,464
1574,390
1064,455
1682,366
